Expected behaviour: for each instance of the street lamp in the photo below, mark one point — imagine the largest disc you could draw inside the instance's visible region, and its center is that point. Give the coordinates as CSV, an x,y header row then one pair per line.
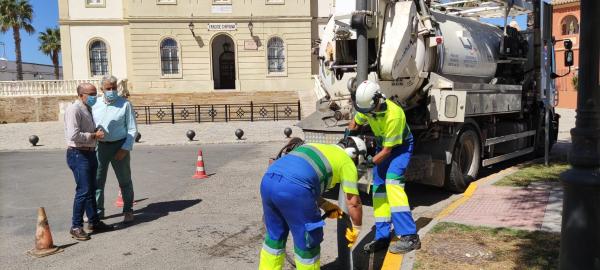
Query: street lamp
x,y
580,235
251,26
191,25
3,60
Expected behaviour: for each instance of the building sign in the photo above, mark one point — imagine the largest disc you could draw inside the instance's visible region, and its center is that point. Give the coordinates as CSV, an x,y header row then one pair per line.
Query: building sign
x,y
250,45
222,9
222,26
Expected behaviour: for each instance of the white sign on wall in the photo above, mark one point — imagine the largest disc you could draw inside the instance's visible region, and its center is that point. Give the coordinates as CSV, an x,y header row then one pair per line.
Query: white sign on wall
x,y
222,26
222,9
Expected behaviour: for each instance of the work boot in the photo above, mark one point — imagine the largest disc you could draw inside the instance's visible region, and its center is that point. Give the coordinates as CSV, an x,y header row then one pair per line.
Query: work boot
x,y
99,227
376,245
405,244
79,234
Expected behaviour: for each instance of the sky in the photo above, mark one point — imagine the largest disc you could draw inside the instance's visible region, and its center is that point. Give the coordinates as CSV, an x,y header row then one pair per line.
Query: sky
x,y
45,15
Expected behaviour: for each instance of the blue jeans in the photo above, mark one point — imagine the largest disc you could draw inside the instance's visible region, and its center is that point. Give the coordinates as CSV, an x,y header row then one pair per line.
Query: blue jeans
x,y
84,165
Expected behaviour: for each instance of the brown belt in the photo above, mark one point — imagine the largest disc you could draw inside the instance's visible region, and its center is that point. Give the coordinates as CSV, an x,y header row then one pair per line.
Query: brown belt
x,y
83,148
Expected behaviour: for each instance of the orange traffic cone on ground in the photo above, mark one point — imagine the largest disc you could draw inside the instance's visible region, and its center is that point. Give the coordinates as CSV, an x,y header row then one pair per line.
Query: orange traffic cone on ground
x,y
200,172
119,202
43,238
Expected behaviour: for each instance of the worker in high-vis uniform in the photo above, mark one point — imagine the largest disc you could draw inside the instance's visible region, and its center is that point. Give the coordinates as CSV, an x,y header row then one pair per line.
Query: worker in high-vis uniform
x,y
394,148
291,196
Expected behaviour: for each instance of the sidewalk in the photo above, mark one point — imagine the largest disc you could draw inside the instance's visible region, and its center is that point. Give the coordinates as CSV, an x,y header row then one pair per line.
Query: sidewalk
x,y
537,207
16,136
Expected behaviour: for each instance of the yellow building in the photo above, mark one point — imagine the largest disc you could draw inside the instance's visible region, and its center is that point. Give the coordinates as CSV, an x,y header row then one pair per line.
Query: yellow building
x,y
192,46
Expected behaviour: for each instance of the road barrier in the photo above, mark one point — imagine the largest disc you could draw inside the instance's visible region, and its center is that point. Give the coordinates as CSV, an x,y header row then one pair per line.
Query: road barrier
x,y
217,112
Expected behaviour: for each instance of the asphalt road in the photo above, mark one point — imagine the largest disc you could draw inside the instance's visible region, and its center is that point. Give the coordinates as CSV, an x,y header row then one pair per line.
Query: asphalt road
x,y
181,223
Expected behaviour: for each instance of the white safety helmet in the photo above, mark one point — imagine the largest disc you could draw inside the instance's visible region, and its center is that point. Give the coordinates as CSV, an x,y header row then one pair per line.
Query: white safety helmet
x,y
355,148
368,95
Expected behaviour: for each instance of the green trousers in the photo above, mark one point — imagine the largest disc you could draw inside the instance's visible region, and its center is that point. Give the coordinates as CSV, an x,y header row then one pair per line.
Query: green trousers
x,y
106,155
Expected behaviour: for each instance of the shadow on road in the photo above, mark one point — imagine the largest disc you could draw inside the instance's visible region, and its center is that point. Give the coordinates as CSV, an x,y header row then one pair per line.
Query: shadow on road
x,y
157,210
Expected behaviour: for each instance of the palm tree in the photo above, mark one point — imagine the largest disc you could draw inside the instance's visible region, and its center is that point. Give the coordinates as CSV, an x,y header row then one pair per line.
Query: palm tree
x,y
16,15
50,45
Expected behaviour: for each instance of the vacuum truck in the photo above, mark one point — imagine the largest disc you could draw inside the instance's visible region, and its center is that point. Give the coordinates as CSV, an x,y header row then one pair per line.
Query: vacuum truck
x,y
474,94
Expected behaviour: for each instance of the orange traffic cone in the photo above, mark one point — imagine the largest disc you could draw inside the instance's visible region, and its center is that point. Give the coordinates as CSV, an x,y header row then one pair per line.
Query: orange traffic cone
x,y
200,173
43,238
119,202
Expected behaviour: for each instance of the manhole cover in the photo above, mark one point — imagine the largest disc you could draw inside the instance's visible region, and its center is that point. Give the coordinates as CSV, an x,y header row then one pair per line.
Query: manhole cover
x,y
460,250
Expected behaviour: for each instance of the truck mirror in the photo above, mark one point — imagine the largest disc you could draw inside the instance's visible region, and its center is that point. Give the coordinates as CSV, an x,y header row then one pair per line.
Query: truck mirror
x,y
569,58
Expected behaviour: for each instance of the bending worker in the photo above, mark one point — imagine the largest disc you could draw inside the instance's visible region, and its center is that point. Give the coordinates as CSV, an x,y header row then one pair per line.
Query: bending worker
x,y
291,191
394,147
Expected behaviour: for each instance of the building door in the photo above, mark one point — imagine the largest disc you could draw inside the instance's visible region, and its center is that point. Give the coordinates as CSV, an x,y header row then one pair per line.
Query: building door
x,y
223,60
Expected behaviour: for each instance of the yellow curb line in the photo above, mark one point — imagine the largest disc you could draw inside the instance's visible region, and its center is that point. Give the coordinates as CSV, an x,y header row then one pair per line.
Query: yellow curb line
x,y
466,196
394,261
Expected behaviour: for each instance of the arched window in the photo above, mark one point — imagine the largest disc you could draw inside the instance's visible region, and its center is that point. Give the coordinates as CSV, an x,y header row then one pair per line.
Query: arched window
x,y
98,58
276,55
169,59
569,25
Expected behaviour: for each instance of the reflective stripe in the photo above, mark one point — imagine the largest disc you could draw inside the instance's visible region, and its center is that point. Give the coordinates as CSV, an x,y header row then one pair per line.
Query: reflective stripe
x,y
350,185
307,261
395,182
310,161
379,195
396,209
319,162
322,157
383,219
359,119
271,250
393,139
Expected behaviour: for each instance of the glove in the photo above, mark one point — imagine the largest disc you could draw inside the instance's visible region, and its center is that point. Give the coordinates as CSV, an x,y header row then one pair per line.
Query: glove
x,y
352,235
331,210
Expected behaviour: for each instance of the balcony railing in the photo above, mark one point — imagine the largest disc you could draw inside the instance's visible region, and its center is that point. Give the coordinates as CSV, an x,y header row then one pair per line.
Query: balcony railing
x,y
45,88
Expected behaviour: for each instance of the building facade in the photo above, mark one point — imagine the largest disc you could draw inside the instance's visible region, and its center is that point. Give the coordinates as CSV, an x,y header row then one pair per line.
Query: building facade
x,y
192,46
565,25
31,71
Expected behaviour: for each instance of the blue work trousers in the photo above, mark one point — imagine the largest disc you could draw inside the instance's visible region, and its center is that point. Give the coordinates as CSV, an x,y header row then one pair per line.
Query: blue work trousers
x,y
287,207
390,201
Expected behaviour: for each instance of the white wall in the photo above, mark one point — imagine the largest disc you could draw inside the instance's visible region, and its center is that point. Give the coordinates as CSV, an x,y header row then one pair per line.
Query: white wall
x,y
114,36
113,9
325,8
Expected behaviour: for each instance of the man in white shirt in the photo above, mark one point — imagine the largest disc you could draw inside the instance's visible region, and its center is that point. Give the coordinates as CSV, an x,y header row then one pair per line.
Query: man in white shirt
x,y
81,136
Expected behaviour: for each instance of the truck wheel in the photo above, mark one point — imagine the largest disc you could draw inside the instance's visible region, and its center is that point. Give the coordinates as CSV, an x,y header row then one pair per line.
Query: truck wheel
x,y
466,161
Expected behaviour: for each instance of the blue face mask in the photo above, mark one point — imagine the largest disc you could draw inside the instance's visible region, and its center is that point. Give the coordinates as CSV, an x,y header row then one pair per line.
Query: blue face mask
x,y
91,100
110,95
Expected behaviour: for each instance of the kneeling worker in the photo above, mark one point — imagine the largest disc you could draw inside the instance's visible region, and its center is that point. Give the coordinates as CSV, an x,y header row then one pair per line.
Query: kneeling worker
x,y
291,195
395,146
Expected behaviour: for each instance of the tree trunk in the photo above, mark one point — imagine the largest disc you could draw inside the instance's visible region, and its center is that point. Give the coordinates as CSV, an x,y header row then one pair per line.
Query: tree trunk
x,y
17,37
55,62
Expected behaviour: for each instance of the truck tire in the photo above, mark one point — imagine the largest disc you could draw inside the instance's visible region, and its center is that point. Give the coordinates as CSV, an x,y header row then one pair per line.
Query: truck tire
x,y
466,161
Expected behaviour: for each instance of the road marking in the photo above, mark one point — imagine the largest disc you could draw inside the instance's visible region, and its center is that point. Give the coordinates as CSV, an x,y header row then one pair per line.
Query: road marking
x,y
466,196
392,261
